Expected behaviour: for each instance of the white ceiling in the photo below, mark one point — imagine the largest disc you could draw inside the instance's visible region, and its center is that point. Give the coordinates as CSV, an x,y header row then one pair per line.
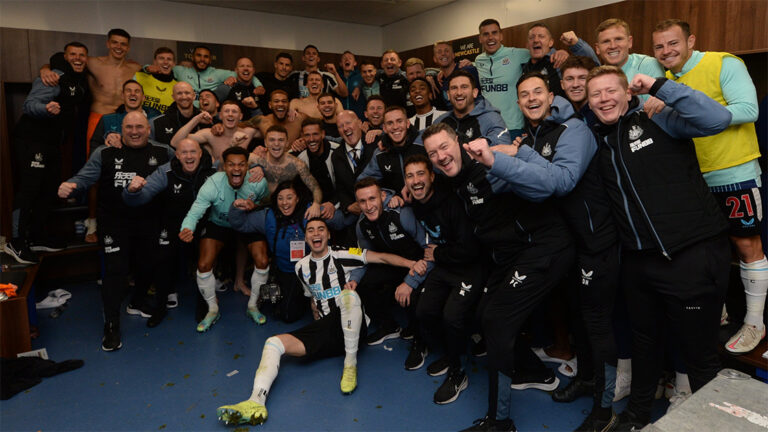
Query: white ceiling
x,y
367,12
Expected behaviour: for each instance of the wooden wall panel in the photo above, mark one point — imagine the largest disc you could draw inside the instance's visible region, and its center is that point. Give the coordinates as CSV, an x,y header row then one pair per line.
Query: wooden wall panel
x,y
14,52
737,26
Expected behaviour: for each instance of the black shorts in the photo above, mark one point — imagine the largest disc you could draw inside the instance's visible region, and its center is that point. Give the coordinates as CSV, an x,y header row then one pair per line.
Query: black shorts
x,y
742,205
324,338
229,235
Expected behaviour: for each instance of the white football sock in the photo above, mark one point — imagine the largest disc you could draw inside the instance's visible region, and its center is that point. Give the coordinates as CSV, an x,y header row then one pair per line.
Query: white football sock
x,y
754,276
351,320
206,283
268,368
258,278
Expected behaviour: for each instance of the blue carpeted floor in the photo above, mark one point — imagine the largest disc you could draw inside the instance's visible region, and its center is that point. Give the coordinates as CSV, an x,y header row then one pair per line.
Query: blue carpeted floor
x,y
172,378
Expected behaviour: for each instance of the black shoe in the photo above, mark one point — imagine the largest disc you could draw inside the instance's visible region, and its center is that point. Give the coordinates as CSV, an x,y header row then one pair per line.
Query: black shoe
x,y
48,245
546,381
439,366
156,318
417,355
20,251
454,383
624,422
408,332
111,339
478,348
492,425
142,310
383,333
574,390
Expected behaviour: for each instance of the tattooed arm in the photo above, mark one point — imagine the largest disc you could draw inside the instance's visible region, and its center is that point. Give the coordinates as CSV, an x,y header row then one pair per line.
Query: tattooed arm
x,y
317,194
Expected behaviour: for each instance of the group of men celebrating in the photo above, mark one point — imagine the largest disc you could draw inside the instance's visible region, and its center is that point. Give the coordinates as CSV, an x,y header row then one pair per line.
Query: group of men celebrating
x,y
546,169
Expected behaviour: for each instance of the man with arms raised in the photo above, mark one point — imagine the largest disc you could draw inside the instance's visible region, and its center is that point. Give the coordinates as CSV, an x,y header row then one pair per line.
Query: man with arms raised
x,y
728,160
672,270
232,136
355,101
332,82
243,90
531,251
337,328
540,47
126,233
308,105
218,193
177,182
278,104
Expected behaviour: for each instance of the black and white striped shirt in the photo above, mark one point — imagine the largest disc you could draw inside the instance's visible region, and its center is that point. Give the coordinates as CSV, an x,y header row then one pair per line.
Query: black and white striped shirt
x,y
324,278
423,121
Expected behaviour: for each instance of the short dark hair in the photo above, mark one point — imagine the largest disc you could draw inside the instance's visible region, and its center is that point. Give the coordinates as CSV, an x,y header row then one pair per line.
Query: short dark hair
x,y
462,73
209,91
488,21
367,63
118,32
312,121
391,108
324,95
577,62
238,104
163,50
284,55
418,158
366,182
278,91
197,47
436,128
76,44
308,47
317,219
276,128
424,80
542,25
237,150
372,98
533,74
133,81
668,23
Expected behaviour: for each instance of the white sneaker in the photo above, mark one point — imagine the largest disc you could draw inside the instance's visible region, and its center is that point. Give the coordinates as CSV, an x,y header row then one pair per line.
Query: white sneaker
x,y
172,301
677,399
745,340
623,385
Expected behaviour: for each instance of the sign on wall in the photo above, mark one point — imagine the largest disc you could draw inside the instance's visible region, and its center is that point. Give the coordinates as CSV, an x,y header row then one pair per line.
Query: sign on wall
x,y
467,48
184,50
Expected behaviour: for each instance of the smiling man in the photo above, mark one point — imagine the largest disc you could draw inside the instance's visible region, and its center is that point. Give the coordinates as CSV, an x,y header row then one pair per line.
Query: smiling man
x,y
672,270
317,156
473,118
327,275
728,160
398,142
421,97
232,135
158,86
109,127
350,159
454,285
243,90
218,193
178,182
540,46
37,139
278,105
125,233
178,114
